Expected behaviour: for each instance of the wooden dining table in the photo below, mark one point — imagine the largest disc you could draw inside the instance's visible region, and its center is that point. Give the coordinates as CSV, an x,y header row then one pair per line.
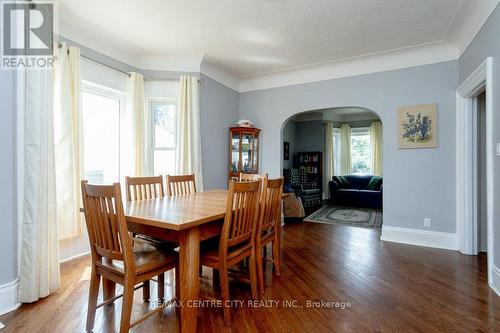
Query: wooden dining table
x,y
186,219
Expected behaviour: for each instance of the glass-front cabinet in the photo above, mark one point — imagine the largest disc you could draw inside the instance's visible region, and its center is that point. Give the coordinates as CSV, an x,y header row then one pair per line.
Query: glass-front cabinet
x,y
244,151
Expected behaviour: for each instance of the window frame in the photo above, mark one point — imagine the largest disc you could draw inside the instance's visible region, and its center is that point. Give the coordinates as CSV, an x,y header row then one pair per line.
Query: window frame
x,y
361,131
151,129
120,96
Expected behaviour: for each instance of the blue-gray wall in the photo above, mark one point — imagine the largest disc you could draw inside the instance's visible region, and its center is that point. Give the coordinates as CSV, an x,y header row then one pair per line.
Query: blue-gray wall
x,y
487,44
219,111
418,183
8,192
309,136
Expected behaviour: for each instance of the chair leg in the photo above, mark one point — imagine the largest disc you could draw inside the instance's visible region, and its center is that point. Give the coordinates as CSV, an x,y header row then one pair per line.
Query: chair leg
x,y
92,305
161,286
128,299
276,258
224,286
146,291
260,269
177,283
253,276
109,289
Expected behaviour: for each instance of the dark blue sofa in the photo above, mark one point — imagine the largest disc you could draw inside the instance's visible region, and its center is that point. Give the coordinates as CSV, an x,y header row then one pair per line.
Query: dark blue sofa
x,y
356,194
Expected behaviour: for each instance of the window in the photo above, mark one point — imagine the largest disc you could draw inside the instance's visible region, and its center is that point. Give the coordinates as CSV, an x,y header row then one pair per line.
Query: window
x,y
163,114
101,134
360,151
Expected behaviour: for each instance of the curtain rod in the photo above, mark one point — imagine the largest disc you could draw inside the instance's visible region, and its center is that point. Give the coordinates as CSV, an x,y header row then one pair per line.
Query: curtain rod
x,y
59,45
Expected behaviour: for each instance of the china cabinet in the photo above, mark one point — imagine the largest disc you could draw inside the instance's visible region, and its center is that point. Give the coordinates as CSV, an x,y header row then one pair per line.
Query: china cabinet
x,y
243,151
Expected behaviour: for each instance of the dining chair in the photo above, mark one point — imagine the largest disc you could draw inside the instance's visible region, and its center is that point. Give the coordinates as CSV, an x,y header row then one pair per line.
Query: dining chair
x,y
250,177
179,185
237,239
142,188
267,227
114,258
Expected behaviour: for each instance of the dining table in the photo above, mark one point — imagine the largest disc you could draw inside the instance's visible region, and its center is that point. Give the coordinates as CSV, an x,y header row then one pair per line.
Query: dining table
x,y
187,220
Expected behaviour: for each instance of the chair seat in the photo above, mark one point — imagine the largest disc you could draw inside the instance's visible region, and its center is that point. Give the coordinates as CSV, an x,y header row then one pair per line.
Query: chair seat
x,y
210,255
146,256
266,237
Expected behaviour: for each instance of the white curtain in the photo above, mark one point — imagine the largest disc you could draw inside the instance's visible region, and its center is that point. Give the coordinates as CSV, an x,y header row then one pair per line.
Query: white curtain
x,y
376,143
188,149
39,268
345,167
329,157
67,141
136,111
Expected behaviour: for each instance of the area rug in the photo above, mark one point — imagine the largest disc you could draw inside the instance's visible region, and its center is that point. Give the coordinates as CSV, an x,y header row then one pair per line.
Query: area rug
x,y
356,217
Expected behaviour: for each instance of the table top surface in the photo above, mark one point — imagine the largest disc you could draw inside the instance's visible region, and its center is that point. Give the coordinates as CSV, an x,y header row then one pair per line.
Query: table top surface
x,y
179,212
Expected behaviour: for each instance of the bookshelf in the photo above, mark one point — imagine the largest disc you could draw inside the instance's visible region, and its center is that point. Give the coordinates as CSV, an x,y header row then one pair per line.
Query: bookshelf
x,y
313,164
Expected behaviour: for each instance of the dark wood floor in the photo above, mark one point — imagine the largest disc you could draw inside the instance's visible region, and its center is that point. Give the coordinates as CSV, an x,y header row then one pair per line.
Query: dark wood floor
x,y
391,288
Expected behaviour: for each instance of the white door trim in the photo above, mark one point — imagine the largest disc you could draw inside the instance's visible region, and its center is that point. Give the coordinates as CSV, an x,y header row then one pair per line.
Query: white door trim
x,y
466,161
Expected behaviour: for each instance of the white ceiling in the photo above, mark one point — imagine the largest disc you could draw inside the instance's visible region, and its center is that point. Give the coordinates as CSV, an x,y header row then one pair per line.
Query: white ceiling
x,y
255,37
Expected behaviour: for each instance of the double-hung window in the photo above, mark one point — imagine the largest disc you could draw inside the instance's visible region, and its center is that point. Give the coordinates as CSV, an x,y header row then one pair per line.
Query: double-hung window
x,y
101,118
162,115
361,150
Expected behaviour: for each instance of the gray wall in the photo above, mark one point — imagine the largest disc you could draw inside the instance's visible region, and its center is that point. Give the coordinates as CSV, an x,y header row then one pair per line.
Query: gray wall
x,y
487,44
289,136
8,193
418,183
309,136
219,110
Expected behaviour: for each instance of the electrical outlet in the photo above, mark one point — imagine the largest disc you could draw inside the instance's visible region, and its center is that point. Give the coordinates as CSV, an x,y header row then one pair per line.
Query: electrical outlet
x,y
427,222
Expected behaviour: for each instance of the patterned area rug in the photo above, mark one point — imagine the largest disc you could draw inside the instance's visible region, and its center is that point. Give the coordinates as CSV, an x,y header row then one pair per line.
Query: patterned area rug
x,y
356,217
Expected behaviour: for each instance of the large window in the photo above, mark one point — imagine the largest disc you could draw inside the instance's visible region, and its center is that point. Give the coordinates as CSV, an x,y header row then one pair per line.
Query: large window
x,y
163,113
101,134
360,151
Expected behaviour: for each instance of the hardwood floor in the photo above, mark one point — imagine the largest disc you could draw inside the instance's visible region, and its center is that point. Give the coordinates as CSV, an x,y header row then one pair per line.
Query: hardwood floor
x,y
391,288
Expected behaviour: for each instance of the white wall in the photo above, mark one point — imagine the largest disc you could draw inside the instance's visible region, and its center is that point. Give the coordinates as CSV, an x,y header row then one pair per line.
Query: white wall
x,y
418,183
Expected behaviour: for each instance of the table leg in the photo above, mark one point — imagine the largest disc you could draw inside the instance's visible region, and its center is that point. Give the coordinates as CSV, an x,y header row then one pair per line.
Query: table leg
x,y
189,260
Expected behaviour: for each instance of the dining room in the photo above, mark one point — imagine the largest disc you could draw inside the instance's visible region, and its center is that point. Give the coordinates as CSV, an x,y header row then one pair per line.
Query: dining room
x,y
143,145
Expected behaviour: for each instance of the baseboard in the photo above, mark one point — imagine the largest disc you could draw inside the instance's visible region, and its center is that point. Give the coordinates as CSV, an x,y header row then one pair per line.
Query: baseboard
x,y
74,257
8,297
495,279
436,239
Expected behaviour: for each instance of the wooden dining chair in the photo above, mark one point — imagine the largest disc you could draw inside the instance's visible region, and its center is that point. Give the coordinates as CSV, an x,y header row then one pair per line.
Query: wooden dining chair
x,y
267,227
142,188
179,185
250,177
114,258
237,239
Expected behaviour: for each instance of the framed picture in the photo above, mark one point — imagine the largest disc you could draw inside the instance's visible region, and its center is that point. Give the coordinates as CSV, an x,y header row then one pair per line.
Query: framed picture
x,y
417,126
286,151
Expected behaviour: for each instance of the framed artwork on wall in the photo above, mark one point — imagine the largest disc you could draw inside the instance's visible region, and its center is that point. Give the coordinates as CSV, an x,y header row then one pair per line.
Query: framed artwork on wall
x,y
286,151
417,126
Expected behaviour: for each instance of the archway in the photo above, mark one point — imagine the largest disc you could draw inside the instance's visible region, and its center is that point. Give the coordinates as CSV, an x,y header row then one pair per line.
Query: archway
x,y
340,141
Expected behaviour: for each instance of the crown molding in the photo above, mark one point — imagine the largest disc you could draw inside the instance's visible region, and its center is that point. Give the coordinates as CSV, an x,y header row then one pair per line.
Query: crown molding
x,y
219,73
404,58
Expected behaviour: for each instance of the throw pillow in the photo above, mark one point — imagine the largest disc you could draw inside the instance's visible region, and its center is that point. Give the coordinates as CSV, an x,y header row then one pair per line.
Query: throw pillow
x,y
341,181
374,184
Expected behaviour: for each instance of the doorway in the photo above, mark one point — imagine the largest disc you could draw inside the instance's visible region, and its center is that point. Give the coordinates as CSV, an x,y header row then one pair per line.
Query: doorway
x,y
480,205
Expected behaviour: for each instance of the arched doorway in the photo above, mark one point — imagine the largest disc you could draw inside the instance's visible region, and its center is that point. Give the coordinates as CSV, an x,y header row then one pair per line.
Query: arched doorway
x,y
344,143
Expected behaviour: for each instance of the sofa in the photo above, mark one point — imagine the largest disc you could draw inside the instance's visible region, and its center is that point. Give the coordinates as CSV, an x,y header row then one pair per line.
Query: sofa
x,y
355,192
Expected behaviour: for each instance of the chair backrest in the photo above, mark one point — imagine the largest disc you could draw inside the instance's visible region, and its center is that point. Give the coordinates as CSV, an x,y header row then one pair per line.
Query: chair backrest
x,y
270,205
106,224
179,185
141,188
251,177
241,216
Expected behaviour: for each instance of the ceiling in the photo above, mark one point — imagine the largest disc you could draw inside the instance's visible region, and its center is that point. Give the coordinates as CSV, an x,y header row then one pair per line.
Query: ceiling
x,y
255,37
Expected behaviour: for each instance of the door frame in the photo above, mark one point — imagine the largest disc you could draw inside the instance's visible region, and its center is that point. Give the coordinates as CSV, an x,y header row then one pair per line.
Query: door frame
x,y
466,162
